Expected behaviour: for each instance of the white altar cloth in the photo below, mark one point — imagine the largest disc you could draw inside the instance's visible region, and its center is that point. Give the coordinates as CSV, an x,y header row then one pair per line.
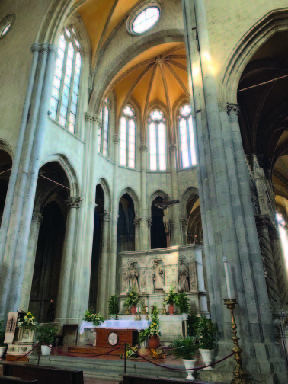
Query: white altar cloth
x,y
117,324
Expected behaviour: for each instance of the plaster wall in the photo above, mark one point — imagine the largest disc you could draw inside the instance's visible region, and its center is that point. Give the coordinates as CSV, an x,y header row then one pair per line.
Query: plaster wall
x,y
15,61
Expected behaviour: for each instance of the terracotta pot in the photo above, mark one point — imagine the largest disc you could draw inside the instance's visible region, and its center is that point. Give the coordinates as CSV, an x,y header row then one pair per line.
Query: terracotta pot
x,y
143,352
188,365
171,309
153,342
133,310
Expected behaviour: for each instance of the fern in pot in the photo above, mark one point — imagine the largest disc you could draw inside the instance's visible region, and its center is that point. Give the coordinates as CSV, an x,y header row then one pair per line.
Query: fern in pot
x,y
113,307
186,349
206,331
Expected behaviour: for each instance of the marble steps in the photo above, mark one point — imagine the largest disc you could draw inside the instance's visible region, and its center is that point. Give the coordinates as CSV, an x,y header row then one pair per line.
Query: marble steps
x,y
108,369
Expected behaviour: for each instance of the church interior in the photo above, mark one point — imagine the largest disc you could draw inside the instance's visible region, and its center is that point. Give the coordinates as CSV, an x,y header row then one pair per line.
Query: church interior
x,y
144,188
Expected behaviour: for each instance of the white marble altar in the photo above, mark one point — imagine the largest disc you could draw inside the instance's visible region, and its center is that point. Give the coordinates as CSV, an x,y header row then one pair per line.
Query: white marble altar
x,y
129,323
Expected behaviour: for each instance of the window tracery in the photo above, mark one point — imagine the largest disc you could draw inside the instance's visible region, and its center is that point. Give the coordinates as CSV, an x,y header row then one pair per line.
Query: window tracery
x,y
127,137
157,140
104,128
187,141
65,89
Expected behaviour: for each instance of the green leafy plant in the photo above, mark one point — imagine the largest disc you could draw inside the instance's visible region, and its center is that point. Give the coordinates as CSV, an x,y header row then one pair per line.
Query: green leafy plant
x,y
28,321
113,306
153,329
2,334
131,352
192,323
96,318
185,348
132,298
172,297
183,302
45,334
206,331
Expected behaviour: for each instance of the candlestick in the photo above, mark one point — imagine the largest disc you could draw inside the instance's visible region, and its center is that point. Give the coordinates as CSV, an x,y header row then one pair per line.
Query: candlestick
x,y
225,261
147,310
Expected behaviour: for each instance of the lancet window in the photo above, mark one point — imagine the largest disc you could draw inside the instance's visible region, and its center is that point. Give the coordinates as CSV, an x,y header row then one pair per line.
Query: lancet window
x,y
157,140
65,89
127,137
283,229
187,141
103,129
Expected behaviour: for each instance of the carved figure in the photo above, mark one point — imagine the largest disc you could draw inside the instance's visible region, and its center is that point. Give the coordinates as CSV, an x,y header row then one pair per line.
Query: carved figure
x,y
183,276
158,275
193,276
125,287
133,275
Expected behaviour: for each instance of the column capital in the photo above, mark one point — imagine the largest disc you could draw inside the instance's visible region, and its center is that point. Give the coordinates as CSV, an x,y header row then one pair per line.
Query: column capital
x,y
137,221
183,221
44,47
92,117
143,148
116,138
232,109
149,221
107,216
37,217
74,202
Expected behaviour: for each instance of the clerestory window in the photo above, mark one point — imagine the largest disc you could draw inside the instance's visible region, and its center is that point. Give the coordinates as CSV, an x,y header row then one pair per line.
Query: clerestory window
x,y
187,141
157,140
65,89
127,137
103,129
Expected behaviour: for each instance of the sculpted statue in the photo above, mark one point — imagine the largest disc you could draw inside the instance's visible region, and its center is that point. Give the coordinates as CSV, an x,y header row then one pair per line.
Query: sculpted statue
x,y
133,276
183,276
125,287
158,275
193,276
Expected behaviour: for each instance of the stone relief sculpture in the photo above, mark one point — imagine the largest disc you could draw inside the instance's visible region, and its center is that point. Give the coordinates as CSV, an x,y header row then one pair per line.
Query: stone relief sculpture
x,y
133,276
183,275
193,276
158,275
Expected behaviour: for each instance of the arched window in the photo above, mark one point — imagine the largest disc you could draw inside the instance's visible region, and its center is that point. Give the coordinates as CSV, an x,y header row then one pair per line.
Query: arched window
x,y
103,129
283,235
187,142
157,140
127,137
65,90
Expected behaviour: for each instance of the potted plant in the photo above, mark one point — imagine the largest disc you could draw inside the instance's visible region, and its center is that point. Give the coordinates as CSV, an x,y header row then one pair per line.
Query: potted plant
x,y
132,300
152,333
171,300
206,330
45,335
113,307
2,339
27,326
186,349
192,323
183,302
95,318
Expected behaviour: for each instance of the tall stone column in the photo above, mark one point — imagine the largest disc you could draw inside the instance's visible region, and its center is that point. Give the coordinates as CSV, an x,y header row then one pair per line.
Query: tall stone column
x,y
68,258
16,233
183,223
149,225
228,219
104,271
115,203
145,236
30,260
137,226
176,233
81,273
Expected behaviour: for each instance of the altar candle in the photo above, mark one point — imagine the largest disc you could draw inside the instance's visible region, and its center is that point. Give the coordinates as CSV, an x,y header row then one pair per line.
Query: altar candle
x,y
225,261
147,310
137,309
167,307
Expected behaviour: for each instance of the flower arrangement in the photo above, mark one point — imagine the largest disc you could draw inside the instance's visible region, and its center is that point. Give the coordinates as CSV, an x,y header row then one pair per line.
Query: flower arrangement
x,y
96,318
132,298
172,297
153,329
28,321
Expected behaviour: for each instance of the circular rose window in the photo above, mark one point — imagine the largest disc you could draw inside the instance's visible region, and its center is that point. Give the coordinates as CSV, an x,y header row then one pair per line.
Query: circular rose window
x,y
145,20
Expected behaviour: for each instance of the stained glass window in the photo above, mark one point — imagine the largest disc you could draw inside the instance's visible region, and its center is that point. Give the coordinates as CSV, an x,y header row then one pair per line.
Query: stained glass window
x,y
283,229
157,140
104,128
187,141
127,137
145,19
65,89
